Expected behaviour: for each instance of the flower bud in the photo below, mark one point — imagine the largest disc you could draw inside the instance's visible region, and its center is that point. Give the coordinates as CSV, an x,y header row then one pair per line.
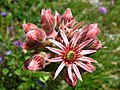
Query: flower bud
x,y
57,19
36,62
37,35
96,45
67,16
47,21
29,26
29,45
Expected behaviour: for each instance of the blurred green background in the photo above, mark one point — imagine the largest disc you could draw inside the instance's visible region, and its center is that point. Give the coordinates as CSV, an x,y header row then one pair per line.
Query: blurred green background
x,y
12,57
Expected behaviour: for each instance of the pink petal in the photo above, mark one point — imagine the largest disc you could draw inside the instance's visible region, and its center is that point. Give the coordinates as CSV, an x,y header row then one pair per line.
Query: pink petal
x,y
82,45
84,52
70,73
59,69
86,59
64,37
77,72
82,65
55,50
57,43
57,59
76,38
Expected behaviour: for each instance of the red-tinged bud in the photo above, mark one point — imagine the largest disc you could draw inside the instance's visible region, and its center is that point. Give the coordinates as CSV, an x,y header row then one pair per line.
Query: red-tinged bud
x,y
93,32
47,21
29,45
67,16
36,62
28,27
57,19
96,45
68,80
37,35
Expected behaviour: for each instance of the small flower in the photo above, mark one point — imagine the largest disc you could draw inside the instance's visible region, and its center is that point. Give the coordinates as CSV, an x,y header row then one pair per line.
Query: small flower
x,y
8,52
16,43
71,55
4,14
103,10
10,28
36,62
112,2
21,44
1,58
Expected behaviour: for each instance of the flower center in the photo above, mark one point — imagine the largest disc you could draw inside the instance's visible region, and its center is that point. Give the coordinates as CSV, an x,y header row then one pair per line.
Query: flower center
x,y
70,55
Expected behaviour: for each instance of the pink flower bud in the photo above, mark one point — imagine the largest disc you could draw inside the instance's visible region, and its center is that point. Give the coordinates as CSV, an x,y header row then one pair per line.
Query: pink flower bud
x,y
36,62
29,45
29,26
57,19
68,80
47,21
96,45
37,35
67,16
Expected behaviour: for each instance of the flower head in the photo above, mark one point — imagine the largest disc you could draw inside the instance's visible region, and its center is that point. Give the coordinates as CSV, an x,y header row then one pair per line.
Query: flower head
x,y
71,55
103,10
4,14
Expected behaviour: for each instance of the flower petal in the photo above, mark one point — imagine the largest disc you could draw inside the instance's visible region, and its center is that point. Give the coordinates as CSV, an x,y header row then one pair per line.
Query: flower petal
x,y
75,38
84,52
83,58
77,72
82,45
57,43
70,73
82,65
57,59
64,37
55,50
59,69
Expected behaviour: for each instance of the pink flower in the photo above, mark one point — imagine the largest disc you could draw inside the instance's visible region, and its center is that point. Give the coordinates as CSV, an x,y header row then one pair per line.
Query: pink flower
x,y
72,56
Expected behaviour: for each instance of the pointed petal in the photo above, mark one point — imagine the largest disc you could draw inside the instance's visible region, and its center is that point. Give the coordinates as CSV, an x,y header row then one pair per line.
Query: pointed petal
x,y
77,72
84,52
59,69
83,58
57,59
57,43
78,25
75,38
70,73
82,45
55,50
82,65
64,37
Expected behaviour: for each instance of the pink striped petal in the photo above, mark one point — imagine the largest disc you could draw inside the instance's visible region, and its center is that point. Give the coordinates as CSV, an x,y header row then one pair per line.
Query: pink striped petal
x,y
75,38
77,72
59,69
57,51
57,59
57,43
82,65
70,73
82,45
84,52
83,58
64,37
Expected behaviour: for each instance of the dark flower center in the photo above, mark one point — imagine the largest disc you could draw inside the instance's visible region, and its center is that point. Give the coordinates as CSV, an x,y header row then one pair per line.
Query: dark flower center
x,y
70,55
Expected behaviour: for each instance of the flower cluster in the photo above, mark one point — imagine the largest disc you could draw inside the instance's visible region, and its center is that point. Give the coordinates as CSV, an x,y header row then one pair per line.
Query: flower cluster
x,y
62,40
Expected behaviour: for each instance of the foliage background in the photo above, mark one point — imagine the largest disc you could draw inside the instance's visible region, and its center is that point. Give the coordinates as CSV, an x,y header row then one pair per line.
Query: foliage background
x,y
13,77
